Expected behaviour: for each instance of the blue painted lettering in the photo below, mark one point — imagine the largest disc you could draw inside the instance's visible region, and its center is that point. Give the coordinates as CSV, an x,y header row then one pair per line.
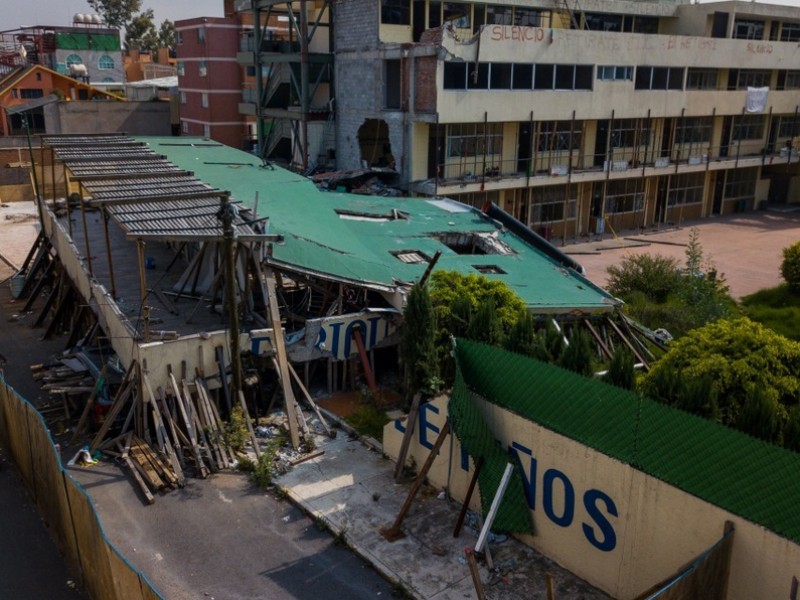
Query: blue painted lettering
x,y
565,520
528,475
425,425
609,540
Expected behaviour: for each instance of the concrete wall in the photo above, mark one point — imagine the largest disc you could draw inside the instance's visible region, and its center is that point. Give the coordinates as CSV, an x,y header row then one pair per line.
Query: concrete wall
x,y
133,118
628,530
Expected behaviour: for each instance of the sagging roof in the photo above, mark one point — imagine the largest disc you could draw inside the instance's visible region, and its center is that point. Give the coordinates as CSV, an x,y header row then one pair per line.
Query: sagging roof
x,y
380,241
746,476
146,195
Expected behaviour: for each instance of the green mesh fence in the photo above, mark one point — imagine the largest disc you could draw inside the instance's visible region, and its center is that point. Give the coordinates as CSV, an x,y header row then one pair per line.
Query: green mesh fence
x,y
479,442
85,41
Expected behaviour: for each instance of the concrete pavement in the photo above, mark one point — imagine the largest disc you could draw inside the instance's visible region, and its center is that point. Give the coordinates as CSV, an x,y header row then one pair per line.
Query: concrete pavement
x,y
352,490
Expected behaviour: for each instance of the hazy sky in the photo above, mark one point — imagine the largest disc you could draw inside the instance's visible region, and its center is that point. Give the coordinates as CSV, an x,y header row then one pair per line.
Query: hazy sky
x,y
60,12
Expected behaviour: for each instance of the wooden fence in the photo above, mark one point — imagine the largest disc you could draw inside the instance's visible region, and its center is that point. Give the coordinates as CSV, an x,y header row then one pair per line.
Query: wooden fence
x,y
65,506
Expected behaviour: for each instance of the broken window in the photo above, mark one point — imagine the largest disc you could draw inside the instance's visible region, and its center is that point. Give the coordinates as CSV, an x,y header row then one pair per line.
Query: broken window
x,y
489,269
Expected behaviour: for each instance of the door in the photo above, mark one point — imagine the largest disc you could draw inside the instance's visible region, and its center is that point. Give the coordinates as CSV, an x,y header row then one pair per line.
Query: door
x,y
601,143
524,149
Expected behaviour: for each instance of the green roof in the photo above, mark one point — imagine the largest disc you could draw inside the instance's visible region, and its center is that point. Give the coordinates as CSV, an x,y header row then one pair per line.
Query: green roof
x,y
321,241
746,476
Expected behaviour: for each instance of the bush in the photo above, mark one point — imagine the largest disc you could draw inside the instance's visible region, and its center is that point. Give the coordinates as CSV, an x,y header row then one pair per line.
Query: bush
x,y
790,267
620,370
368,420
654,276
236,432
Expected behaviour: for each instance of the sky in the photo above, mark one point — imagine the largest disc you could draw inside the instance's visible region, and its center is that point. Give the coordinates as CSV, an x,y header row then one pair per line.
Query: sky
x,y
60,12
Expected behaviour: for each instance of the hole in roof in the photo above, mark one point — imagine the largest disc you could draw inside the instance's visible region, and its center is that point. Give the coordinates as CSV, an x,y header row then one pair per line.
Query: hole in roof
x,y
473,242
411,257
489,269
353,215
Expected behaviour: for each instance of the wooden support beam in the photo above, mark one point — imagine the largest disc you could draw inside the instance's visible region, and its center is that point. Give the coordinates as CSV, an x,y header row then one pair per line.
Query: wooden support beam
x,y
498,497
247,420
627,342
88,406
598,339
184,409
362,352
413,413
161,433
475,573
470,490
117,404
394,533
328,430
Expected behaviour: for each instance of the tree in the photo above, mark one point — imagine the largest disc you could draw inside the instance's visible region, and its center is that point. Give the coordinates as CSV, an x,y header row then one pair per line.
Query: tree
x,y
166,34
418,351
790,267
140,33
116,13
485,326
578,355
620,371
755,371
522,337
654,276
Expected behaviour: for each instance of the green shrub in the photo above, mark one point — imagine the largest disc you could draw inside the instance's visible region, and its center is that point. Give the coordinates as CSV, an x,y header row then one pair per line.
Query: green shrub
x,y
654,276
620,370
368,420
263,472
236,432
790,267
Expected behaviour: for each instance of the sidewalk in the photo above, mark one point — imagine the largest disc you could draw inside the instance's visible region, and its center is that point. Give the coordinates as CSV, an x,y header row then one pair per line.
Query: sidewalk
x,y
352,490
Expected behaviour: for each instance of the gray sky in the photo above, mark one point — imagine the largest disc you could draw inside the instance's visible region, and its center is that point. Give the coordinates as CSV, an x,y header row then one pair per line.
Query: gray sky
x,y
60,12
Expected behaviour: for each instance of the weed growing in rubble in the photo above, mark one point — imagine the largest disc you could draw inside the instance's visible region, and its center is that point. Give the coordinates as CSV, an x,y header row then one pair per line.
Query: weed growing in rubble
x,y
236,432
262,473
245,464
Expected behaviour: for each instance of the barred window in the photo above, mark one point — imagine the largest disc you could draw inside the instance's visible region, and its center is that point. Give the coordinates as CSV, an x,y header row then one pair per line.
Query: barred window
x,y
548,203
474,139
686,188
789,126
555,135
746,78
701,79
627,133
105,62
693,130
749,127
740,183
624,195
659,78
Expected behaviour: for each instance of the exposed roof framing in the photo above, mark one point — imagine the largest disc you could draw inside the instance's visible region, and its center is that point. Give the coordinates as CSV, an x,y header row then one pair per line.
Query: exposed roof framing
x,y
146,195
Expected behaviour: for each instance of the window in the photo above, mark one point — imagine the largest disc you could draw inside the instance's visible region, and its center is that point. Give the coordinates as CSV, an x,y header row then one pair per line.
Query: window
x,y
614,73
500,77
179,37
790,32
659,78
207,131
434,14
789,126
31,93
499,15
645,24
185,127
740,183
748,127
478,76
527,17
396,12
624,195
548,203
693,130
201,35
105,62
181,68
601,22
563,77
474,139
202,68
741,79
627,133
183,97
391,84
73,59
522,77
556,135
455,76
458,13
748,29
204,100
701,79
686,188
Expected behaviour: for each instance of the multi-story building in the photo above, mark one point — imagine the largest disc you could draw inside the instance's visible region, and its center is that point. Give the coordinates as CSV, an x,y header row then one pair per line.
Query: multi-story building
x,y
210,81
88,50
575,119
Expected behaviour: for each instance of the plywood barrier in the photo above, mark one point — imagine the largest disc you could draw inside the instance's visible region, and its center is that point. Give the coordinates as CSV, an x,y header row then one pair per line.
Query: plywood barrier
x,y
65,506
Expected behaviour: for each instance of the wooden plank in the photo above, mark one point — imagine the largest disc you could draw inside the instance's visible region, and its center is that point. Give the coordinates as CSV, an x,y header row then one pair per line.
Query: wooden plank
x,y
214,432
198,427
124,455
227,453
120,399
246,415
410,423
279,346
148,456
162,434
223,376
167,416
310,400
182,411
88,406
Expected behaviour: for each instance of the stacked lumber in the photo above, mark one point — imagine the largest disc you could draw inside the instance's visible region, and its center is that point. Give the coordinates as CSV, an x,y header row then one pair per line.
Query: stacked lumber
x,y
67,375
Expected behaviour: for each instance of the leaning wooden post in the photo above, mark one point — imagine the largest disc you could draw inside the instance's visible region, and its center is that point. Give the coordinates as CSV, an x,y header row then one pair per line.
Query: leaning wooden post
x,y
394,533
228,239
470,490
409,433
